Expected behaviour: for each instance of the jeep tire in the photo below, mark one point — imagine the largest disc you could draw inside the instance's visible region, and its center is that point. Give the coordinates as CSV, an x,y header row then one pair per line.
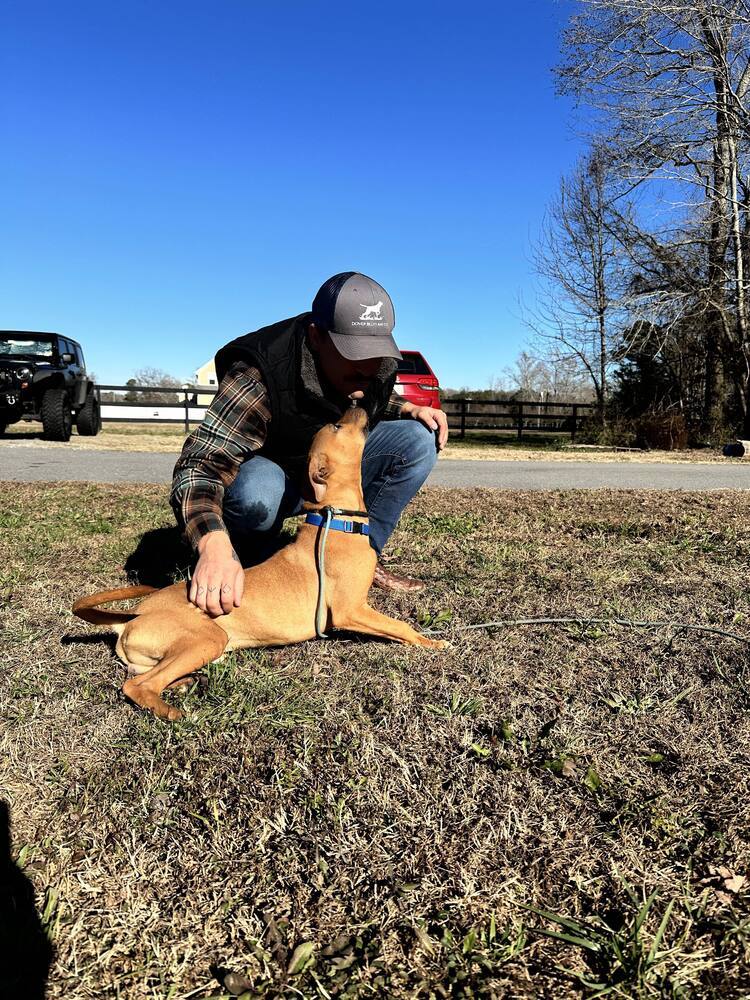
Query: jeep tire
x,y
57,419
89,419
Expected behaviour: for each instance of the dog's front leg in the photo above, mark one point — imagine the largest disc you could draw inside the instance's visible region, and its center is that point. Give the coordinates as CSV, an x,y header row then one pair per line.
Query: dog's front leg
x,y
372,622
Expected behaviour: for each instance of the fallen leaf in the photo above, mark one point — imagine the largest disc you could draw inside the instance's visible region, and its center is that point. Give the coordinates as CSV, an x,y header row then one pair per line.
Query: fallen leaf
x,y
235,983
734,883
301,957
568,768
592,781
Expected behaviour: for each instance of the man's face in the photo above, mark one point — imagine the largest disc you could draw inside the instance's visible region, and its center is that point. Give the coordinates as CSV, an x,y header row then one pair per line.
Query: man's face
x,y
349,378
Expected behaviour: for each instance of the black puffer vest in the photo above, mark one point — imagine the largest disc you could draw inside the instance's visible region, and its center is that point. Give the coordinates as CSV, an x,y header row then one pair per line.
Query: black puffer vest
x,y
297,411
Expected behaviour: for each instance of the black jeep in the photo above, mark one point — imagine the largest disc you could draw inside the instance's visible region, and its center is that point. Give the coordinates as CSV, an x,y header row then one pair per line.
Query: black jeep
x,y
43,377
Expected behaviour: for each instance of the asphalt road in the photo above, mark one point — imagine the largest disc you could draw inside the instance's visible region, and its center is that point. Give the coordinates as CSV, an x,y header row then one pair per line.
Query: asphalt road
x,y
26,463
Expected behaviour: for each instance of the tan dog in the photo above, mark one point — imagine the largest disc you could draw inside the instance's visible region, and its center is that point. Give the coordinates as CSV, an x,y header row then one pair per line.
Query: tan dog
x,y
166,637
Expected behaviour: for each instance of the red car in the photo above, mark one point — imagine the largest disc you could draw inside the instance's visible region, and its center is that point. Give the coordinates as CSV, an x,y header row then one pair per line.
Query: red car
x,y
416,381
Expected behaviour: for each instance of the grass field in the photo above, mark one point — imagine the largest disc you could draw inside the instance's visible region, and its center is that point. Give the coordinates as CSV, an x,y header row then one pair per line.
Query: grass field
x,y
538,811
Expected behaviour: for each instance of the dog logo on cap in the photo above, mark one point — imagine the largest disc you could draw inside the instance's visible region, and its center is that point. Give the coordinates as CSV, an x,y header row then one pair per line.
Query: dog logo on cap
x,y
371,312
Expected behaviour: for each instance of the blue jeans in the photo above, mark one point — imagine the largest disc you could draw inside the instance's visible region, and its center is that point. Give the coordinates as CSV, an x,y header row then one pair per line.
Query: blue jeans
x,y
398,457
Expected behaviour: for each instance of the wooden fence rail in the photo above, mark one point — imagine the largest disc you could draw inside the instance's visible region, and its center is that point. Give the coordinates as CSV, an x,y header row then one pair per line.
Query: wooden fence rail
x,y
515,414
463,414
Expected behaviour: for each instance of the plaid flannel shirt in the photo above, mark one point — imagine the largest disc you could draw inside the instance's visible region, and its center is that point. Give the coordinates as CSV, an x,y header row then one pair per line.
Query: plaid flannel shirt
x,y
234,428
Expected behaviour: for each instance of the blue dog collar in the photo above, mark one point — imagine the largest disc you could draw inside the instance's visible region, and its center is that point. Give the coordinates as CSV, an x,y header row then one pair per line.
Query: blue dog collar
x,y
338,524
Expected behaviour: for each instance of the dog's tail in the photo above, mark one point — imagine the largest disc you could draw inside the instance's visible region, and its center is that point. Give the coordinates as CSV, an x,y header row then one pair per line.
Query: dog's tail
x,y
86,607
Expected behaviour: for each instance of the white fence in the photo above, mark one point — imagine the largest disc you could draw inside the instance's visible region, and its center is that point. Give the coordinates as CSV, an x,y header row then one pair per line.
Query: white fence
x,y
185,409
156,413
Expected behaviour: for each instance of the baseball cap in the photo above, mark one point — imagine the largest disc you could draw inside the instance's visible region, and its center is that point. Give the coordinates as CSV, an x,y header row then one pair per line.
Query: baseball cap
x,y
358,314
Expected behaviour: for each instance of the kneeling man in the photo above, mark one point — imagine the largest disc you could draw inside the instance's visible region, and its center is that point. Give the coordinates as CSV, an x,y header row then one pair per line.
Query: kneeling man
x,y
244,469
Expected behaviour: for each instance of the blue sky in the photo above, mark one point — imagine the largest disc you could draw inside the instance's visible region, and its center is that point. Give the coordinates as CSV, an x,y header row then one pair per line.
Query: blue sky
x,y
177,174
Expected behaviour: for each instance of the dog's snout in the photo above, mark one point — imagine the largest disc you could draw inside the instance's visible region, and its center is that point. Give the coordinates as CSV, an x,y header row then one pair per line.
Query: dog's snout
x,y
356,415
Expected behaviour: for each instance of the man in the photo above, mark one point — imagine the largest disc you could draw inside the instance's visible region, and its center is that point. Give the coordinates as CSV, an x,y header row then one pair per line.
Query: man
x,y
244,469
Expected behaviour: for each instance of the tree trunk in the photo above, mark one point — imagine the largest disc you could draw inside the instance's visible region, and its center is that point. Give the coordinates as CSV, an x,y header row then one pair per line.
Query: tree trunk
x,y
601,289
715,339
712,417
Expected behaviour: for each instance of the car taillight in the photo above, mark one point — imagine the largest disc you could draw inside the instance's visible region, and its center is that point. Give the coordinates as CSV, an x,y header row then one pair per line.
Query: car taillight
x,y
428,387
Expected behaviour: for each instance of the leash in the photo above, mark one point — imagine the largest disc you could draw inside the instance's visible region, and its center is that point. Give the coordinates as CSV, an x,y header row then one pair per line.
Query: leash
x,y
327,521
583,621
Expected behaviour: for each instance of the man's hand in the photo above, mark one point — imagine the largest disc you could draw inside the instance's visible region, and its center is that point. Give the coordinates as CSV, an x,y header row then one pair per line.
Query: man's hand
x,y
435,420
218,580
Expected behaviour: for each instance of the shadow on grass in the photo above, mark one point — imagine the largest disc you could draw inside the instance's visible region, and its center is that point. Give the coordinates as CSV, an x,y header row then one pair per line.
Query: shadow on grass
x,y
160,559
23,436
509,439
91,639
25,951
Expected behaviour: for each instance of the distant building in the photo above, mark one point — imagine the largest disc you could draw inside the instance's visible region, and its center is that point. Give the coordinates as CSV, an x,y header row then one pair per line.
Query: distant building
x,y
206,376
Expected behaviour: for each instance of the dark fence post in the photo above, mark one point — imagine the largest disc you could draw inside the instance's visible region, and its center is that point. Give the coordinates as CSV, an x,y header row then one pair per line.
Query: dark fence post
x,y
463,418
575,422
520,420
187,415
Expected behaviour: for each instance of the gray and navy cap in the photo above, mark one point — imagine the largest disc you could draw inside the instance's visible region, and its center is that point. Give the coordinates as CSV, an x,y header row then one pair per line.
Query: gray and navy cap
x,y
358,314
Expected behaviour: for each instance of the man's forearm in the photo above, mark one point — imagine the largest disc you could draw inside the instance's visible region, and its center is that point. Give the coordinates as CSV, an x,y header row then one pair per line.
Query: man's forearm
x,y
198,507
233,429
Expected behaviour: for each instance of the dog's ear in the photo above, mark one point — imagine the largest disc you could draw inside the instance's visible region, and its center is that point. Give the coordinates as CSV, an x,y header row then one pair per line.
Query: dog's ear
x,y
318,472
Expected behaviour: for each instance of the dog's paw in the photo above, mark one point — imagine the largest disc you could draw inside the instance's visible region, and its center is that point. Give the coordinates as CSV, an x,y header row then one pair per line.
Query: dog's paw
x,y
173,714
436,644
163,710
151,701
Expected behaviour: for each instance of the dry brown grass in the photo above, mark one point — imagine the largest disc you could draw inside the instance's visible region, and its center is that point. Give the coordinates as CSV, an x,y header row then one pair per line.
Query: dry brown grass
x,y
393,811
566,453
168,438
162,438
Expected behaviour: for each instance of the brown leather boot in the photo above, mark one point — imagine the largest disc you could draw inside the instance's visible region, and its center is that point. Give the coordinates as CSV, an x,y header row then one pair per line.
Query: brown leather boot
x,y
389,581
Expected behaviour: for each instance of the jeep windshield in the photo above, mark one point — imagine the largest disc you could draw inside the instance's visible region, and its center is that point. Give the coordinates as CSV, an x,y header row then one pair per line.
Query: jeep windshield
x,y
26,346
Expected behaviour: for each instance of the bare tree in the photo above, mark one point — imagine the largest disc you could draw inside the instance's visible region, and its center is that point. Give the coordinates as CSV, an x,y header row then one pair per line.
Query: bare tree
x,y
157,378
535,378
525,376
667,80
578,316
